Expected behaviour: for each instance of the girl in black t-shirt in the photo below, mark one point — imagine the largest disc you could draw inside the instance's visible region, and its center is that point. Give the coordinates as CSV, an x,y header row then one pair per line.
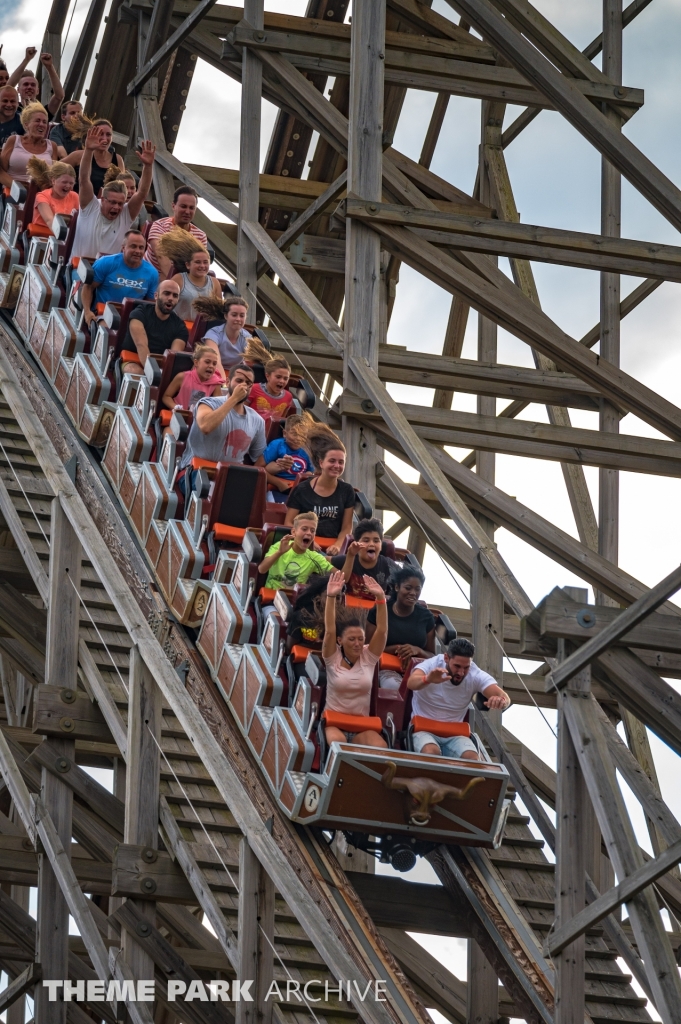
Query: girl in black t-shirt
x,y
411,626
326,494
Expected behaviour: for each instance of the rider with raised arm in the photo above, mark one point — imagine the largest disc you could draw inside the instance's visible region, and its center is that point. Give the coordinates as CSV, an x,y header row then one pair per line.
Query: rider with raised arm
x,y
443,688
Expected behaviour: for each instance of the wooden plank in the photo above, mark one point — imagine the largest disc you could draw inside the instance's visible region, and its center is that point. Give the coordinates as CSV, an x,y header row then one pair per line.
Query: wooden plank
x,y
363,247
171,44
105,701
524,241
536,440
143,873
100,801
624,622
249,158
184,854
23,983
640,879
142,785
436,69
307,218
256,925
22,540
166,957
582,114
67,713
152,128
614,822
557,617
519,316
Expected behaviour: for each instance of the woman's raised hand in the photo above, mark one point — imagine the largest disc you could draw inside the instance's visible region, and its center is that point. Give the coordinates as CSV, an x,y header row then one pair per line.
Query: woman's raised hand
x,y
374,587
336,584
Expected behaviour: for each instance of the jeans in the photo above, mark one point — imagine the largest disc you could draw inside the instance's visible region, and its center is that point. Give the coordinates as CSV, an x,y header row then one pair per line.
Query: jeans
x,y
450,746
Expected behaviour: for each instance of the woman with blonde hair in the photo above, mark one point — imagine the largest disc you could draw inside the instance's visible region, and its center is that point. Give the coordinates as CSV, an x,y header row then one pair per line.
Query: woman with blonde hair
x,y
56,183
19,149
184,250
104,157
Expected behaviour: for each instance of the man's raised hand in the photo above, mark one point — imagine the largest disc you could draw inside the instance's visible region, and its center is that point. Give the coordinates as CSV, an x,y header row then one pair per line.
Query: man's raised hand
x,y
147,152
335,584
438,675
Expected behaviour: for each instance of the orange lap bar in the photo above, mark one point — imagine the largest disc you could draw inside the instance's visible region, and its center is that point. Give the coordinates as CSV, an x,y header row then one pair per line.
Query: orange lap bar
x,y
352,723
390,661
440,728
325,542
300,653
165,417
130,357
267,595
357,602
203,463
229,534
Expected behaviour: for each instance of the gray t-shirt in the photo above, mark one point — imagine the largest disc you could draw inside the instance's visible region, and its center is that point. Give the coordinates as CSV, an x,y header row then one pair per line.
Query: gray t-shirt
x,y
236,437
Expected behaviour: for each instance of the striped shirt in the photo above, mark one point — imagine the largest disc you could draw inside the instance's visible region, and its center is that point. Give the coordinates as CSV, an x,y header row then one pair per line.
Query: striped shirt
x,y
161,227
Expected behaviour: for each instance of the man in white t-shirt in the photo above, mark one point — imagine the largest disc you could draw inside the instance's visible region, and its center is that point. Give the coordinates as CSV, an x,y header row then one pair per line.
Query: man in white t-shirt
x,y
443,688
102,223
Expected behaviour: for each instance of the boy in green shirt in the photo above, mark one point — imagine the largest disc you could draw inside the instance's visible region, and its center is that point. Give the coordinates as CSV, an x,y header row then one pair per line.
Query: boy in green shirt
x,y
292,560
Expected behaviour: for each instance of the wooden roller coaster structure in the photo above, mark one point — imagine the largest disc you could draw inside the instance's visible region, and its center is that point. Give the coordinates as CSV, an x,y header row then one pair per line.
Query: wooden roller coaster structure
x,y
195,868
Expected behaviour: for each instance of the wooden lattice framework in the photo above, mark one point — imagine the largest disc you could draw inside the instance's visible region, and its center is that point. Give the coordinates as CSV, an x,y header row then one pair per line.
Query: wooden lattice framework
x,y
363,210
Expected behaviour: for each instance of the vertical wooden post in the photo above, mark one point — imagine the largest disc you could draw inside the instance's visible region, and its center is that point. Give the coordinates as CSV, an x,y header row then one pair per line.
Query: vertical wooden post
x,y
574,830
487,606
611,205
142,790
61,669
249,159
256,936
363,246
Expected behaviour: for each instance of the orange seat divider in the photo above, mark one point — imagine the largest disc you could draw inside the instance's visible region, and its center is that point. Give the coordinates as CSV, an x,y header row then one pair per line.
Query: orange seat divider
x,y
390,661
202,463
188,324
38,231
267,595
357,602
440,728
130,357
231,534
325,542
352,723
165,417
300,653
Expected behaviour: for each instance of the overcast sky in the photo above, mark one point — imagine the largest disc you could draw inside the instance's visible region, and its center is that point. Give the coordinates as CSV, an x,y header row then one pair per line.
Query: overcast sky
x,y
555,175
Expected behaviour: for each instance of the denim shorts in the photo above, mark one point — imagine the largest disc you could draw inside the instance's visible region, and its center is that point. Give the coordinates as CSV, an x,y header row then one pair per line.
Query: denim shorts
x,y
450,746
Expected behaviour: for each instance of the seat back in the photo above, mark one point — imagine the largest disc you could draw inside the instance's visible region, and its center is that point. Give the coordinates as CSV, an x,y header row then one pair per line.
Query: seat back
x,y
239,496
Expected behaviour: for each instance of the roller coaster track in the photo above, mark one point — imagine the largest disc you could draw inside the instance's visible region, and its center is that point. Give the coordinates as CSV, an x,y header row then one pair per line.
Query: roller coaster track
x,y
213,795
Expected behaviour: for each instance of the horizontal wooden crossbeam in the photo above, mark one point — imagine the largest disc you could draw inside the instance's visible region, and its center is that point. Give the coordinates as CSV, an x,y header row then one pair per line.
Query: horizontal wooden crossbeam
x,y
437,70
526,241
609,901
536,440
618,628
23,983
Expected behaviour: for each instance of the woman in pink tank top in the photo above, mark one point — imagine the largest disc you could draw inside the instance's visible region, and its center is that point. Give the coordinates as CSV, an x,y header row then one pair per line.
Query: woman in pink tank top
x,y
202,381
19,149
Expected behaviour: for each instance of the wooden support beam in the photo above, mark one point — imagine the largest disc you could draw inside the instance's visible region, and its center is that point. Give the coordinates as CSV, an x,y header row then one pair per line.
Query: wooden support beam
x,y
524,241
433,72
152,129
442,539
23,983
160,953
635,883
171,44
101,693
29,554
61,667
100,801
74,82
249,158
614,822
574,106
536,440
363,247
557,614
309,216
185,857
626,620
256,934
519,316
142,778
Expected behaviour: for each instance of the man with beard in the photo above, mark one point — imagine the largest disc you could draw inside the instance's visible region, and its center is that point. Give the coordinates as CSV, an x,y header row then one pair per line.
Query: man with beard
x,y
293,559
225,429
154,329
443,688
